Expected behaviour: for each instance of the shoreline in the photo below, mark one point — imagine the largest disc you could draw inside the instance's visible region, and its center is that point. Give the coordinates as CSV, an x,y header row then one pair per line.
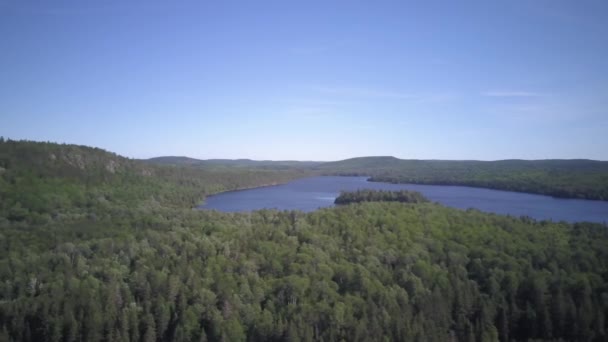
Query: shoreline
x,y
265,185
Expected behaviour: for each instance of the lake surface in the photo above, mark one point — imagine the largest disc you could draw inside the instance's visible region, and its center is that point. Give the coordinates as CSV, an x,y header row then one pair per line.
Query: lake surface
x,y
309,194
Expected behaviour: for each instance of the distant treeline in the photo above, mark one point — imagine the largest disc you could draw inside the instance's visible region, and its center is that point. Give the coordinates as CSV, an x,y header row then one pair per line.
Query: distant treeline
x,y
365,195
585,179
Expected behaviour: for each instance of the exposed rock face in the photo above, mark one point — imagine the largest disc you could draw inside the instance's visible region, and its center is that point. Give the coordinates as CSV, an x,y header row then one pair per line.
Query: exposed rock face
x,y
64,160
111,166
75,159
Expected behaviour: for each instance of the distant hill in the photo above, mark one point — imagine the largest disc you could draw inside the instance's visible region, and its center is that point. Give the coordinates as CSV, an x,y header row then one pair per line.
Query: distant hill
x,y
567,178
40,181
171,160
360,165
242,163
66,161
383,163
570,178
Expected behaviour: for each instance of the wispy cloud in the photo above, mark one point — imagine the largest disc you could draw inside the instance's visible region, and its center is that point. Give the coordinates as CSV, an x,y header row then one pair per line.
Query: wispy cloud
x,y
539,114
319,46
312,102
365,92
305,112
308,50
502,93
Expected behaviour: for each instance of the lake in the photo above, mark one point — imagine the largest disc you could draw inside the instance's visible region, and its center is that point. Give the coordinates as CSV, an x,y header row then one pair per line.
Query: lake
x,y
309,194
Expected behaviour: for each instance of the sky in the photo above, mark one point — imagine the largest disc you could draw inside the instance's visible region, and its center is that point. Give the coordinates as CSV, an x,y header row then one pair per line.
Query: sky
x,y
309,80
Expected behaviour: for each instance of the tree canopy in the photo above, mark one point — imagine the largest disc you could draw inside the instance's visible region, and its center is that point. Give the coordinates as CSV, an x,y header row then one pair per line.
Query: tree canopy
x,y
121,256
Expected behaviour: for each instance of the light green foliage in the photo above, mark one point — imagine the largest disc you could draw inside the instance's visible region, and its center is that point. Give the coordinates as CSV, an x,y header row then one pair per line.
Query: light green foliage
x,y
127,268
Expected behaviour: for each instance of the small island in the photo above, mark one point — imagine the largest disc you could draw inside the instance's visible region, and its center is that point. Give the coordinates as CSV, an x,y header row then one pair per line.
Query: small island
x,y
403,196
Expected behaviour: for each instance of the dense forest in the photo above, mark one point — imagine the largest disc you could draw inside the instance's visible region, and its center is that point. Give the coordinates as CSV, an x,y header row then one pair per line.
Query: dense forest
x,y
586,179
403,196
97,247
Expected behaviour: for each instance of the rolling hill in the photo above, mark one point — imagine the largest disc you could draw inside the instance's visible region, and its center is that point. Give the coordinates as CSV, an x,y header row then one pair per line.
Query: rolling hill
x,y
233,163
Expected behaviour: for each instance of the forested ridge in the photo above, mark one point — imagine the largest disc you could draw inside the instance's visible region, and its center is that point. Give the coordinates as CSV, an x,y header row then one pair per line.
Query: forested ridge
x,y
587,179
119,255
39,181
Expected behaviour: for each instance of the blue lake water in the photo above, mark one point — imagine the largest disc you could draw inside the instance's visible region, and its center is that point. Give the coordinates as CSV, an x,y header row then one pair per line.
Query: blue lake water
x,y
309,194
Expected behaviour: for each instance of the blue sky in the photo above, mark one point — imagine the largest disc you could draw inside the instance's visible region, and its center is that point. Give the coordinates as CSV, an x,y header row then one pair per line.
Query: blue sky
x,y
309,80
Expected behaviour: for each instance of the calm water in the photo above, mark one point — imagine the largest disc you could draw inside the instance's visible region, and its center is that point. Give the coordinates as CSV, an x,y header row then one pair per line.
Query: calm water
x,y
309,194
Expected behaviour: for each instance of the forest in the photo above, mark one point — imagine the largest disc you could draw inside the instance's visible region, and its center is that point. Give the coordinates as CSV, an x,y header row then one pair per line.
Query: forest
x,y
586,179
403,196
97,247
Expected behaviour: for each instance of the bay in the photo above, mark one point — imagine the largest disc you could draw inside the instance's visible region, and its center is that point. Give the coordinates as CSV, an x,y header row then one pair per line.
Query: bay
x,y
308,194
